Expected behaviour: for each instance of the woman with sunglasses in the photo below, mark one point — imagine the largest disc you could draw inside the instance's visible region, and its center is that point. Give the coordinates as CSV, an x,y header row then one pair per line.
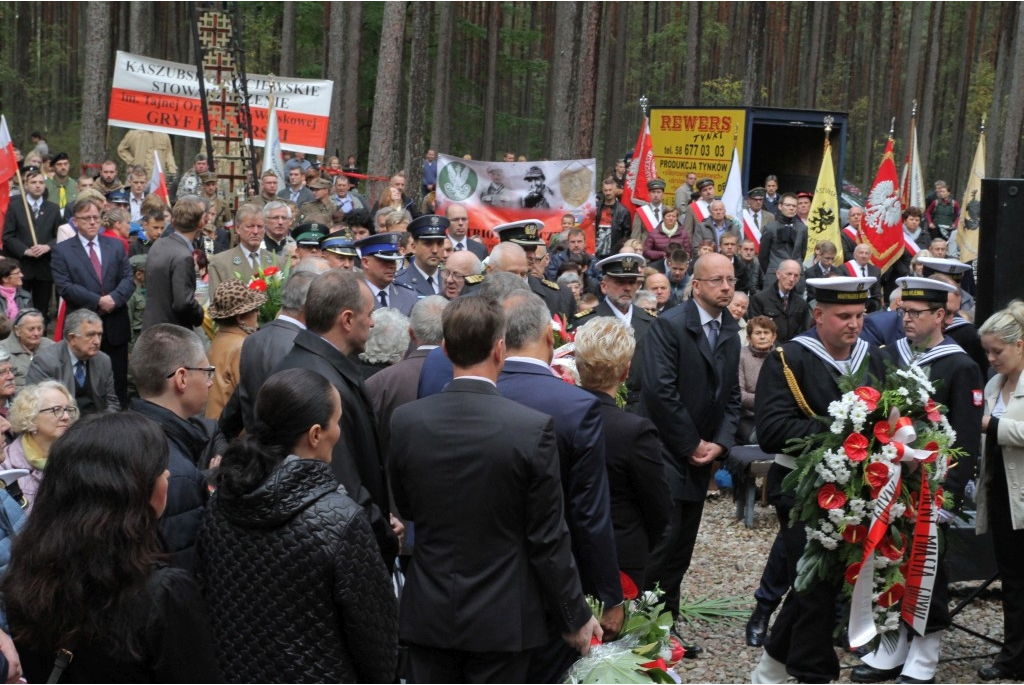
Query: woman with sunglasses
x,y
40,414
27,338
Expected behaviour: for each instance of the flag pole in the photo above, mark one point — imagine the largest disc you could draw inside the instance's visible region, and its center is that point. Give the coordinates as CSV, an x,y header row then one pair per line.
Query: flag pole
x,y
829,120
24,202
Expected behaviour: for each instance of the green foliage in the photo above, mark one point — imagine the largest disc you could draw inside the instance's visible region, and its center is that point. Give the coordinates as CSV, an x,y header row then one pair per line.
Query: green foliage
x,y
724,91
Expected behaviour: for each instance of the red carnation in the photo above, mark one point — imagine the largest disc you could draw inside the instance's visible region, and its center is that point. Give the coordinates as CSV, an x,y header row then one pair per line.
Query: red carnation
x,y
258,284
883,432
830,497
852,571
855,534
270,271
891,596
870,396
629,590
931,410
877,474
856,447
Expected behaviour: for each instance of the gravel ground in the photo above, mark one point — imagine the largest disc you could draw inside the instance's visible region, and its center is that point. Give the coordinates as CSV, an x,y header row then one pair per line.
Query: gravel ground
x,y
727,562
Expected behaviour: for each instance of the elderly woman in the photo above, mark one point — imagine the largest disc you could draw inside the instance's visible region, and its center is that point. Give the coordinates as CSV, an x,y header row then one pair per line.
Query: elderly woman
x,y
761,332
25,340
40,414
13,298
1000,507
388,342
640,503
235,309
572,281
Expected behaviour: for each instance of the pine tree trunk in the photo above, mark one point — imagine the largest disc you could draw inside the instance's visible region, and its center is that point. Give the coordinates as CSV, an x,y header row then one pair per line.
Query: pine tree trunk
x,y
755,48
1008,163
140,28
562,84
287,64
441,119
1007,20
586,82
335,72
96,82
928,114
416,102
617,138
493,21
691,88
383,157
350,83
915,53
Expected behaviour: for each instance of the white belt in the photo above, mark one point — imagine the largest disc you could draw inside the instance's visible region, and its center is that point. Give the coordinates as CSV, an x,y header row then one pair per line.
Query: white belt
x,y
786,460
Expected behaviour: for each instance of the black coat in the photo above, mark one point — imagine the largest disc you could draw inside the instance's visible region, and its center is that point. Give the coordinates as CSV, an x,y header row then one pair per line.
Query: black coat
x,y
171,284
690,392
789,322
640,501
261,352
296,589
17,237
356,461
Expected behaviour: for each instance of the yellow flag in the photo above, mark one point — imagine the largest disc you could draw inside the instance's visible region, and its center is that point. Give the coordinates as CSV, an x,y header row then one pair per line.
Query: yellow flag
x,y
823,221
970,209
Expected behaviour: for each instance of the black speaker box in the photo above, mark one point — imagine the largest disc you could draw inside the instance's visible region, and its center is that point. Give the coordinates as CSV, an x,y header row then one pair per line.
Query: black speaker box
x,y
999,275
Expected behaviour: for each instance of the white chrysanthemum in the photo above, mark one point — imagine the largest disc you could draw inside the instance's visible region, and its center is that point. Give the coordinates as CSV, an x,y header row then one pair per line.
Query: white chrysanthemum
x,y
897,510
902,391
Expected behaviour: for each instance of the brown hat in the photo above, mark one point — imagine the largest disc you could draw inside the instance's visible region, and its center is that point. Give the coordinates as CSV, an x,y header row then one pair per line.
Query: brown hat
x,y
207,177
232,298
320,184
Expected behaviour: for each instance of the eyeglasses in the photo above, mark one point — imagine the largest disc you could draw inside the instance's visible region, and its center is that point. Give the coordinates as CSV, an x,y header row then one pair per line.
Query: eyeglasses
x,y
60,412
208,370
451,275
89,219
914,314
8,371
718,280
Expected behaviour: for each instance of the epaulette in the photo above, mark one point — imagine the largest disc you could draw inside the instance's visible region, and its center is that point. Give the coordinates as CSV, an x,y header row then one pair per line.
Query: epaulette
x,y
402,285
652,312
474,278
550,284
580,315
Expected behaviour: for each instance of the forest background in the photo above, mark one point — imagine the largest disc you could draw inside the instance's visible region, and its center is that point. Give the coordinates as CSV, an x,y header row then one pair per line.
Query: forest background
x,y
553,80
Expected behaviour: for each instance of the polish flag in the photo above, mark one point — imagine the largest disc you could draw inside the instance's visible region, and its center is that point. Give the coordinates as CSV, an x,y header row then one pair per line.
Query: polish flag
x,y
158,183
641,170
8,167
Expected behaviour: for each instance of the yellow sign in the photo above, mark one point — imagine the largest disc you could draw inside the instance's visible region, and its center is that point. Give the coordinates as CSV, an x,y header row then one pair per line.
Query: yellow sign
x,y
698,140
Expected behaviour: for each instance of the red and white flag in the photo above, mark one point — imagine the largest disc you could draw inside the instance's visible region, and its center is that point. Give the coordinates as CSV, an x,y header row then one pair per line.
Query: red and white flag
x,y
732,196
157,182
883,216
912,181
8,167
641,170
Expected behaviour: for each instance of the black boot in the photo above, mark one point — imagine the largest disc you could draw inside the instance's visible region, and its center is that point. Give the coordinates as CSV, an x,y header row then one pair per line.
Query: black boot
x,y
757,626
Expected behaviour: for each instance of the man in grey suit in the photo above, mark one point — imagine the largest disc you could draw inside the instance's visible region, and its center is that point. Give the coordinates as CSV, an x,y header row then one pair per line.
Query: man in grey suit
x,y
77,363
171,269
296,190
380,258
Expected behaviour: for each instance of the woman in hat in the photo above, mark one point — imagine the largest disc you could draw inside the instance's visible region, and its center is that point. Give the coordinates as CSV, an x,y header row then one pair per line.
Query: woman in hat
x,y
235,309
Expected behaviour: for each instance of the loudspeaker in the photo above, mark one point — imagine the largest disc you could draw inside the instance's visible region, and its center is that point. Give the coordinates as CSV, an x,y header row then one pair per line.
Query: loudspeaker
x,y
1000,246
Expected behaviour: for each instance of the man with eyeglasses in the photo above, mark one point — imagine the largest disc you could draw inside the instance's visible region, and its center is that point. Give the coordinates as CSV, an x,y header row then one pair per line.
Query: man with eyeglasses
x,y
173,377
458,220
690,391
78,364
960,391
461,268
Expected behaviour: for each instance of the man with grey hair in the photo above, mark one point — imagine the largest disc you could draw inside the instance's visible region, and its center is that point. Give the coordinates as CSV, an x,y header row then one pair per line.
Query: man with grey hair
x,y
174,377
646,300
396,385
338,317
527,378
77,363
249,256
459,269
277,219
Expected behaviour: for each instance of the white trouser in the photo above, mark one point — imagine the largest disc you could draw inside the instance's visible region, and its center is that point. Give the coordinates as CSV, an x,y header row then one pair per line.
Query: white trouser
x,y
919,656
769,670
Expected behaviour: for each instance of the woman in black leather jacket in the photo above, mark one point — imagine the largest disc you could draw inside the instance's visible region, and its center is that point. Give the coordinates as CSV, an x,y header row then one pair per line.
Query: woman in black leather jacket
x,y
288,563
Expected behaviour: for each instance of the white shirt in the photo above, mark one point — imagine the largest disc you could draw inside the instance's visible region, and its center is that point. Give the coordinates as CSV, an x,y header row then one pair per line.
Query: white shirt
x,y
95,244
626,318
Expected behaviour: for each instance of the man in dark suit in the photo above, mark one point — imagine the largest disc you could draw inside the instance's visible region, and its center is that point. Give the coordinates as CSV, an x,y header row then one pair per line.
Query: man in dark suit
x,y
487,504
458,225
780,303
30,242
339,310
171,270
823,268
296,190
77,363
396,385
860,266
527,379
92,272
690,390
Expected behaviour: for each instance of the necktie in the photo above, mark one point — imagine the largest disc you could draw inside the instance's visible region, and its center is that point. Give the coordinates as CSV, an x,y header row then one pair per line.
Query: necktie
x,y
383,298
713,333
430,282
80,373
94,258
864,270
757,220
63,198
459,247
35,210
657,213
254,257
785,302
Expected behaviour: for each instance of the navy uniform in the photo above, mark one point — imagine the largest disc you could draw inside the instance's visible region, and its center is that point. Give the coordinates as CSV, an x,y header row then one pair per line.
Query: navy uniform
x,y
427,227
958,386
622,266
526,234
385,246
962,331
800,641
307,239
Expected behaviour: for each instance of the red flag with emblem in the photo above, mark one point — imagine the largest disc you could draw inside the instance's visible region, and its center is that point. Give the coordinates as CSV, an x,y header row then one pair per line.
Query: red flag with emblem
x,y
8,167
158,183
883,216
641,170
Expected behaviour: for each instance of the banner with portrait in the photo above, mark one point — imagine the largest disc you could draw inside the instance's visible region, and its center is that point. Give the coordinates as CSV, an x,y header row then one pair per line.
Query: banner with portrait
x,y
499,192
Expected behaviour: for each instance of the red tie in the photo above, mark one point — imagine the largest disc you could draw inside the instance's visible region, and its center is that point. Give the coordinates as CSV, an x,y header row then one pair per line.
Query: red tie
x,y
94,258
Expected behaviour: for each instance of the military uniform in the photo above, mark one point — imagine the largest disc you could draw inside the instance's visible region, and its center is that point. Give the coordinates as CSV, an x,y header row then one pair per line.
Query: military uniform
x,y
425,227
317,211
394,295
640,322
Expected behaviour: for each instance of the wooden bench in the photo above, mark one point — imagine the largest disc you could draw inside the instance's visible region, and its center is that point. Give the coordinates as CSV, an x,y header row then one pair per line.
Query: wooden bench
x,y
747,463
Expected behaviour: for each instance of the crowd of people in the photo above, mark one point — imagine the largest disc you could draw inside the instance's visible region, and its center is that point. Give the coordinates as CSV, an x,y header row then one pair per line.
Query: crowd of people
x,y
342,452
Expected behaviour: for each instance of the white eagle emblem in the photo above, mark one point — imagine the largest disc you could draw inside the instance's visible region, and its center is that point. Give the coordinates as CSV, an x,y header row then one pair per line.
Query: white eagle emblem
x,y
457,186
883,207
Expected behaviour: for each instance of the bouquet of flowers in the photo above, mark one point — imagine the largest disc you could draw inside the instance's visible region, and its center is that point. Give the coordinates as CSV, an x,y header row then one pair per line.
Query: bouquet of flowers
x,y
270,281
869,490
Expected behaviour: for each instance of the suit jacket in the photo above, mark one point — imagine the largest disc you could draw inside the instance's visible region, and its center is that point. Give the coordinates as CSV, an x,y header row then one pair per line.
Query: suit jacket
x,y
400,297
356,459
77,283
55,363
474,246
640,322
640,501
224,265
581,446
690,392
492,549
305,195
882,328
261,352
815,271
436,373
789,323
875,292
17,237
171,285
392,387
559,300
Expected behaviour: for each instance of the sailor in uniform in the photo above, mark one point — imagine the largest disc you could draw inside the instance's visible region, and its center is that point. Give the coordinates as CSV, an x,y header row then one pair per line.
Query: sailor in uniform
x,y
526,234
962,331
